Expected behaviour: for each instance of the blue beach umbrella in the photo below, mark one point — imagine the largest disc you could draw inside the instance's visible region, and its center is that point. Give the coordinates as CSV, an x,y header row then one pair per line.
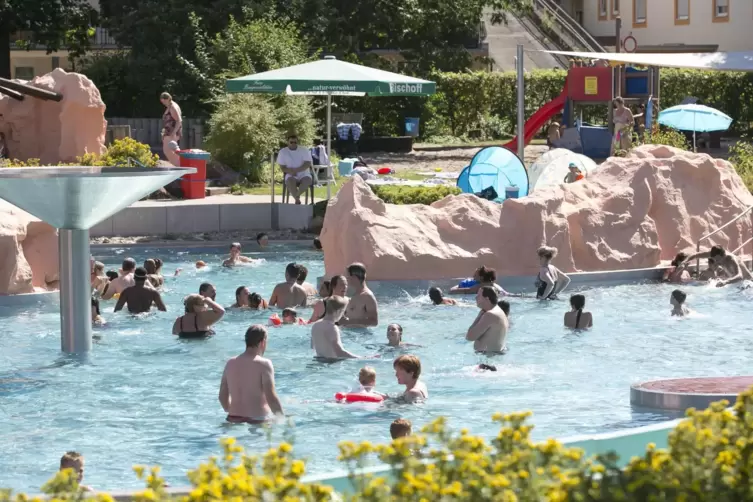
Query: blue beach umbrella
x,y
696,118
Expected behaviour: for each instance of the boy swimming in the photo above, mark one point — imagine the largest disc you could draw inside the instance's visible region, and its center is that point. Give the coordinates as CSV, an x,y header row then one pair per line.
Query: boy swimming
x,y
677,300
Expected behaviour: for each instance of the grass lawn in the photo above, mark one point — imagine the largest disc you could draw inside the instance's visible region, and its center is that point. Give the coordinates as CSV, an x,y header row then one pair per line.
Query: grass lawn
x,y
321,192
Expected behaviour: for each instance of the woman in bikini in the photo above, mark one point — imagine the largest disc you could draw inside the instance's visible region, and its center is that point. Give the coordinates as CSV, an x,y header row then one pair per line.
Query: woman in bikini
x,y
172,127
576,318
201,314
550,280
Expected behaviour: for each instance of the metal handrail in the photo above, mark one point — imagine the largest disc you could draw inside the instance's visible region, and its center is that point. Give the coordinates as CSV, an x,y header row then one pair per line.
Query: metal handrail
x,y
711,234
575,30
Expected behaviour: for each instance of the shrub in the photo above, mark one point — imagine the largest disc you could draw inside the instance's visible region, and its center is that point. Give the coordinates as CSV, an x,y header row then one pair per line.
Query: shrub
x,y
117,154
666,136
741,156
247,128
392,194
709,459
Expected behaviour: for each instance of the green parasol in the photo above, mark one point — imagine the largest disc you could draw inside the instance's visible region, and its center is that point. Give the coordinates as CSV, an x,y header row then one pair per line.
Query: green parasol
x,y
330,77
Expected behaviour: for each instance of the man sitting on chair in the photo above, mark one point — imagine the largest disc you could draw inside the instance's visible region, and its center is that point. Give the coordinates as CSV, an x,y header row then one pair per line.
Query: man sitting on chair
x,y
295,163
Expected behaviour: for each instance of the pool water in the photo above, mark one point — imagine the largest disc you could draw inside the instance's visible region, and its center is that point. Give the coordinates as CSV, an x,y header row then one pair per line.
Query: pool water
x,y
145,397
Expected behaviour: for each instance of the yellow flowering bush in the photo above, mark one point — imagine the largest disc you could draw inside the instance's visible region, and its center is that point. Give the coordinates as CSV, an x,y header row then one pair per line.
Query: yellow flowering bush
x,y
117,154
709,458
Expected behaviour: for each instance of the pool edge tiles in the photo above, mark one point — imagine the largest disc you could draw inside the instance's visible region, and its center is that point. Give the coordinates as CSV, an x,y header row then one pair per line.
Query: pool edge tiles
x,y
683,393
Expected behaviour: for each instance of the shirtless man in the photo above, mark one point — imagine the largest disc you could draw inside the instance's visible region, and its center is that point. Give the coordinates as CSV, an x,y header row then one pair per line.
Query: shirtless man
x,y
362,310
139,297
289,294
489,331
123,281
235,256
155,279
247,391
325,335
735,270
407,371
303,273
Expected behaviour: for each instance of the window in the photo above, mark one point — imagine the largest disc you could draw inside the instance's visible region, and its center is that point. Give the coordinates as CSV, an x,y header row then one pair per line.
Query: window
x,y
639,13
24,72
615,8
682,11
602,9
721,10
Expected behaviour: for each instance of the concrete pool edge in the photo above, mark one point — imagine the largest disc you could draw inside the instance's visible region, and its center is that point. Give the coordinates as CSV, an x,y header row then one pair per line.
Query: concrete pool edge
x,y
679,394
627,443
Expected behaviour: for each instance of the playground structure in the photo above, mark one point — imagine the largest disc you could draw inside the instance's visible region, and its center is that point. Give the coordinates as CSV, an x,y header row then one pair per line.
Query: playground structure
x,y
588,86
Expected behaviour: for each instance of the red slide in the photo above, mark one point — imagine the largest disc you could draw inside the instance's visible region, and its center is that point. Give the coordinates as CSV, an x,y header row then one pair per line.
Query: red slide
x,y
538,119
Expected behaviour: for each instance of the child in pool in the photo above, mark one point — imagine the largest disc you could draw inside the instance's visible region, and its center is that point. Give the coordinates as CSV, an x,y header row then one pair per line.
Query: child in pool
x,y
400,428
290,316
367,382
256,302
577,318
677,300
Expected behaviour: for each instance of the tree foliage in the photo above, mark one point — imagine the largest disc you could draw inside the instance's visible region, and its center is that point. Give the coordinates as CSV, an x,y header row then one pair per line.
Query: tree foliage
x,y
51,24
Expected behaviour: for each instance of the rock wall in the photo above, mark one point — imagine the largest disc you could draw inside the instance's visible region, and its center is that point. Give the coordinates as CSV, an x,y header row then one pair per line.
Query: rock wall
x,y
28,252
629,213
55,132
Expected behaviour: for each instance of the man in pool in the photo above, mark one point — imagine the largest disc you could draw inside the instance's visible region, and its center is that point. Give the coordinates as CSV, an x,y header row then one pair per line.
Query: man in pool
x,y
207,290
123,281
677,300
247,391
235,256
289,294
362,310
735,270
139,297
325,335
489,331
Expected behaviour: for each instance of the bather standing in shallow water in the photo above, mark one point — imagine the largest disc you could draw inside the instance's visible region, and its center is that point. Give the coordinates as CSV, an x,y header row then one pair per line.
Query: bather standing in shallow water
x,y
489,331
551,281
576,318
733,267
247,391
362,309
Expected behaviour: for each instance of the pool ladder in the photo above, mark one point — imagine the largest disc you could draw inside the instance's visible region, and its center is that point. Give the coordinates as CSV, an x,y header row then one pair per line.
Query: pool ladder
x,y
747,212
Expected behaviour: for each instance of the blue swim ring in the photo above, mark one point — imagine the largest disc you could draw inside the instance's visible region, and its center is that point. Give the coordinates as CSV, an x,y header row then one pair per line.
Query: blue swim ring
x,y
467,283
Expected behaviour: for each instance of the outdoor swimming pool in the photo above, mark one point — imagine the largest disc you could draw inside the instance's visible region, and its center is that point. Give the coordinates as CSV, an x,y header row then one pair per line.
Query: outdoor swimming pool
x,y
144,397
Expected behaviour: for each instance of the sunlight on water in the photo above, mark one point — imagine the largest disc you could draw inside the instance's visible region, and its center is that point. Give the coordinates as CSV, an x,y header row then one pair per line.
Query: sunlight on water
x,y
144,397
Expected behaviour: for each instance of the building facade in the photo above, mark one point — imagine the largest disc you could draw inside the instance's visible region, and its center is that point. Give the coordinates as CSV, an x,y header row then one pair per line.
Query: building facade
x,y
668,25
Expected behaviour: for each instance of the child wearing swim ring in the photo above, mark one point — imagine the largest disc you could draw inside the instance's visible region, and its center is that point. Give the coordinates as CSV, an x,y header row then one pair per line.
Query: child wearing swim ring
x,y
367,382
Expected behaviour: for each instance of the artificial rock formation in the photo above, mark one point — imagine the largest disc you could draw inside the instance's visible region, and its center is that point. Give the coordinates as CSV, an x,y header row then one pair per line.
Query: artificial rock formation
x,y
629,213
28,252
55,132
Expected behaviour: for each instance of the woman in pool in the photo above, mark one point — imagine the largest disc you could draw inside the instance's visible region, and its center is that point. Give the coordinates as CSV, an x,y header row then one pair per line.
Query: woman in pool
x,y
438,299
551,281
325,291
407,371
201,313
677,272
241,298
576,318
99,279
395,336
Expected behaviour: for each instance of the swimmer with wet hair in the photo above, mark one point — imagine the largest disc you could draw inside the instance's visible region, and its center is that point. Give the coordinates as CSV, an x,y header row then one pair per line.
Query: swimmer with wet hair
x,y
435,294
576,318
241,298
262,239
395,336
551,281
289,294
362,310
256,302
408,373
489,331
303,273
235,256
677,300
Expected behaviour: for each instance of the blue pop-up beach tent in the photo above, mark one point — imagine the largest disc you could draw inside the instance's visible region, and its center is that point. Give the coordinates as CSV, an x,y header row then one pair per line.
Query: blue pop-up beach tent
x,y
496,167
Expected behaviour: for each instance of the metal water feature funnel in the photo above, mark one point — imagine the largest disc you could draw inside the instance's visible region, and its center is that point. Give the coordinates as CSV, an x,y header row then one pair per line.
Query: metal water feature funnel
x,y
74,199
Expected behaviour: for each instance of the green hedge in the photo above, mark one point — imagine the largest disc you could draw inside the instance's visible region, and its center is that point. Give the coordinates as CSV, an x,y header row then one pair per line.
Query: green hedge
x,y
392,194
483,105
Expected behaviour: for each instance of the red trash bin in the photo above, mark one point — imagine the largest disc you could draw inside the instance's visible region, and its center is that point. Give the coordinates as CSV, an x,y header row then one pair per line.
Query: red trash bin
x,y
194,185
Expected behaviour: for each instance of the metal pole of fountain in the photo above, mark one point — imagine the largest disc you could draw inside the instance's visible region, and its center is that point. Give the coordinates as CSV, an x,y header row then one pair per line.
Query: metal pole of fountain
x,y
74,199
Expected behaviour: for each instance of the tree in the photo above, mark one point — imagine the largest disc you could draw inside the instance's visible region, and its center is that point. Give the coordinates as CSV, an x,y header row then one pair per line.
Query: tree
x,y
52,24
